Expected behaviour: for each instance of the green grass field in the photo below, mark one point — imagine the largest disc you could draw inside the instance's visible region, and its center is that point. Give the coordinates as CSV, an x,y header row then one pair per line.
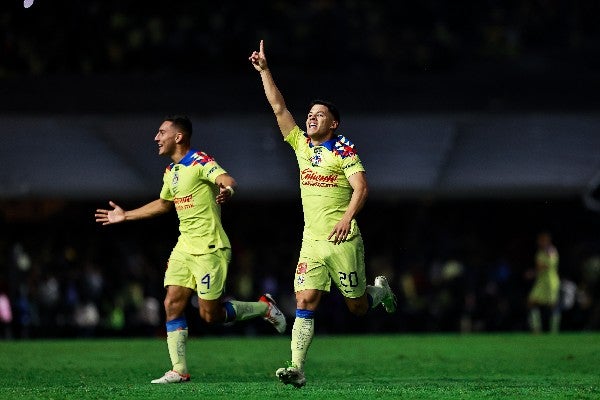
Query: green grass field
x,y
494,366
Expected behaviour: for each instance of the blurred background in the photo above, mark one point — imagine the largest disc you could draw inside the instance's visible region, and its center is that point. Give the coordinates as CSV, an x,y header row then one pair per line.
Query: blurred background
x,y
477,122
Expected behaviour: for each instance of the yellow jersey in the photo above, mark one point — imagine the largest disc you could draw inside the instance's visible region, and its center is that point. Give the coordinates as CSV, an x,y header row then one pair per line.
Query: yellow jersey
x,y
190,184
324,186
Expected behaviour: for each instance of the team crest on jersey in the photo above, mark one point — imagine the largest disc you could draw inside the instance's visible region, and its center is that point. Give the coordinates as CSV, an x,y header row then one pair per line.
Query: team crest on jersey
x,y
317,157
174,181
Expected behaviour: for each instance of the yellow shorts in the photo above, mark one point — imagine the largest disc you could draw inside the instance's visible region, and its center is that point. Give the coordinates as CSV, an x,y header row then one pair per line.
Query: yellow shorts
x,y
204,273
321,261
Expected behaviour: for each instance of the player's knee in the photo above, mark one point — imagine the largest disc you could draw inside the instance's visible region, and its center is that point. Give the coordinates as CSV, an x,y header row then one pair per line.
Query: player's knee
x,y
212,316
173,307
208,318
176,300
302,304
308,300
358,308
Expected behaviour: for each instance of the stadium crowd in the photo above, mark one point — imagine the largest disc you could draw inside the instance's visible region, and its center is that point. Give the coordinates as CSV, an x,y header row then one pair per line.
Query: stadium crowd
x,y
100,37
456,267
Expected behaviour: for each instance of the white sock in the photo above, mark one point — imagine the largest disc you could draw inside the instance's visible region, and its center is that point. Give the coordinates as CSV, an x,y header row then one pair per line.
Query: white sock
x,y
302,335
376,294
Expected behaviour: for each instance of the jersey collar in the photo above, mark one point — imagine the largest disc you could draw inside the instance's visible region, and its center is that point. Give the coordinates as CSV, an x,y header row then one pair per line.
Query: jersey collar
x,y
329,144
187,159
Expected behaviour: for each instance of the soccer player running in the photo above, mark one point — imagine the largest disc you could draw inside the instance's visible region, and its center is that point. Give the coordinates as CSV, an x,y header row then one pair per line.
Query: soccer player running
x,y
333,190
196,185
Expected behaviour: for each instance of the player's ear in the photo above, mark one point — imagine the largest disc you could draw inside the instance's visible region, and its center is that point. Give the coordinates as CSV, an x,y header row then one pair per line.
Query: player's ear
x,y
334,124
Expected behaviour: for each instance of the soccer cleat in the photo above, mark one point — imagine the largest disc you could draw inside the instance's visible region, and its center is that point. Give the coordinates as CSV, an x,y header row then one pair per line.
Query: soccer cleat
x,y
172,377
389,299
291,376
274,314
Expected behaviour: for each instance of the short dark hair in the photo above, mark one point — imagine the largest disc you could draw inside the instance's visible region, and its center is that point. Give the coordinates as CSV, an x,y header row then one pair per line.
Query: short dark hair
x,y
181,122
332,108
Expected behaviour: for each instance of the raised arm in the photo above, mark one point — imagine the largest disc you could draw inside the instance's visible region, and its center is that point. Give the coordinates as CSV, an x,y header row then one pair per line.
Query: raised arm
x,y
285,120
117,214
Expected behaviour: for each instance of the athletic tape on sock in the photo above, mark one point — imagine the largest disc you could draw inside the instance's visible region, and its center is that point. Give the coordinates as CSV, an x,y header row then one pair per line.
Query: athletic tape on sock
x,y
176,324
308,314
229,312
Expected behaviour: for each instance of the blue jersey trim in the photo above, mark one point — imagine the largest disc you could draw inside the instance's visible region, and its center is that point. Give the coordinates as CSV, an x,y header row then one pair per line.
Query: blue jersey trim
x,y
192,157
329,145
339,145
187,159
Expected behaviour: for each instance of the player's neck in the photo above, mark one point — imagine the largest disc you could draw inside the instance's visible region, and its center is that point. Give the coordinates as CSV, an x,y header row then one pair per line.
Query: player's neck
x,y
319,140
179,153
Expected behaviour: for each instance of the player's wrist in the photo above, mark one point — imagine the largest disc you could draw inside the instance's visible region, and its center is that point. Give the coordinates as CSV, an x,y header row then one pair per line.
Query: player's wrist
x,y
231,191
263,70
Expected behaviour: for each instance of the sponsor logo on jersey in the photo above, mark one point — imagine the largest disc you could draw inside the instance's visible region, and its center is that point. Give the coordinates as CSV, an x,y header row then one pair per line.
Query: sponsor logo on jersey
x,y
183,203
308,177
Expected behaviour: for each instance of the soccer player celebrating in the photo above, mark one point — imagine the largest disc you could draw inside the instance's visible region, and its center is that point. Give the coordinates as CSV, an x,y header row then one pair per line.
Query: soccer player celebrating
x,y
333,189
196,186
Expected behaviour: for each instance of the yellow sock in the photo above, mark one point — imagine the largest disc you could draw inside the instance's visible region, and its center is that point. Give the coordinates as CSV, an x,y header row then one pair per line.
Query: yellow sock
x,y
176,341
248,309
302,334
535,320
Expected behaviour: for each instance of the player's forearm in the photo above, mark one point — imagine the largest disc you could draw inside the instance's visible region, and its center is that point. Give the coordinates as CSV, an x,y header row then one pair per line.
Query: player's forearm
x,y
152,209
226,180
274,96
285,121
360,191
357,202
